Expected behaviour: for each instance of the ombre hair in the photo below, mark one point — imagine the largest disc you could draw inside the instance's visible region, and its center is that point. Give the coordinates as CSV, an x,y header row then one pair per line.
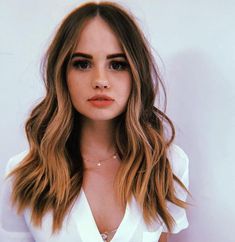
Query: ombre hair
x,y
50,176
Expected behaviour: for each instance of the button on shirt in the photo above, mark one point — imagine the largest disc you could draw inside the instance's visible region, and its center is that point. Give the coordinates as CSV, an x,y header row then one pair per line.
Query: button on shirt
x,y
79,224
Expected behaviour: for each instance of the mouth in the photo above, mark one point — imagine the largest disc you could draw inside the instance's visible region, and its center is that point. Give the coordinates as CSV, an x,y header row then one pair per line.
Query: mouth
x,y
100,98
101,102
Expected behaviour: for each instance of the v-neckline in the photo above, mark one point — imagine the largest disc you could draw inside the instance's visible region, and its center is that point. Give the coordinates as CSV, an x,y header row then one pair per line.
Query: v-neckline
x,y
88,229
93,219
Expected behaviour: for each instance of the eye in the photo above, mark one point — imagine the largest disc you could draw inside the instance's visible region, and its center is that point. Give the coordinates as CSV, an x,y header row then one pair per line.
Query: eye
x,y
119,65
81,64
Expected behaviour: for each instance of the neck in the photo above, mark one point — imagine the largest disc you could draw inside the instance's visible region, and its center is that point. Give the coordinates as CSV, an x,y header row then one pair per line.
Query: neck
x,y
97,138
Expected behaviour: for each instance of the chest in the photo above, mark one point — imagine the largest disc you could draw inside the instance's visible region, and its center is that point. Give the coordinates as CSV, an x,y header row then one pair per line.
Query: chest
x,y
101,197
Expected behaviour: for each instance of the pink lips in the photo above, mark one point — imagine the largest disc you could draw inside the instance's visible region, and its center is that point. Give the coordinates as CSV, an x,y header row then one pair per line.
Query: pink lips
x,y
101,100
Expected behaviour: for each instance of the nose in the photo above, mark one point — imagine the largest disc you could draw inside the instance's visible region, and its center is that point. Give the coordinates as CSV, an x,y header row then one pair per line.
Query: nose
x,y
100,79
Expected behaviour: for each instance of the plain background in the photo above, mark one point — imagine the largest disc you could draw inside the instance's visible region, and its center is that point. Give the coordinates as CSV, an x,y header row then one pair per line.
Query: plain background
x,y
196,44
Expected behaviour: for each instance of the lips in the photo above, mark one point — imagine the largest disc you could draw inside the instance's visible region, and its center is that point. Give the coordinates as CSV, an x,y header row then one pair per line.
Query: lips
x,y
100,98
101,101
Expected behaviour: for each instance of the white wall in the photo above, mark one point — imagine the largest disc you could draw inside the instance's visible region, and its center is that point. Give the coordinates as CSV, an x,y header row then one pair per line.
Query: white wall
x,y
196,41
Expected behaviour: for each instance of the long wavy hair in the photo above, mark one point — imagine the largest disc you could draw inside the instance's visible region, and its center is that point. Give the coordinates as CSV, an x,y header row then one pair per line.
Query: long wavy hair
x,y
50,176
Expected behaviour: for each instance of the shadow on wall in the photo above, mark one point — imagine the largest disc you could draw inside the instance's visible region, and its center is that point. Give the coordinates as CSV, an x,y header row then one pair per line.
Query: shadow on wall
x,y
198,94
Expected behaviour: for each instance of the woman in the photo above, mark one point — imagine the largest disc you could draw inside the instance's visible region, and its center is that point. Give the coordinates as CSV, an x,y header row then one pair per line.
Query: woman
x,y
99,167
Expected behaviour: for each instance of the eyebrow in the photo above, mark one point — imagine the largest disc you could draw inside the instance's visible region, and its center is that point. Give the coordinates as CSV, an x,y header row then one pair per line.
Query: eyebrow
x,y
116,55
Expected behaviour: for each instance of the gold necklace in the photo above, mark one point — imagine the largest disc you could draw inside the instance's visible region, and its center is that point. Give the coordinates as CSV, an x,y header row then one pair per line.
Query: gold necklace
x,y
99,162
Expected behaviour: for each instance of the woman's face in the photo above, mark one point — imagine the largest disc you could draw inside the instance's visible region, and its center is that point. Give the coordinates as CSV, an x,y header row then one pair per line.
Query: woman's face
x,y
99,67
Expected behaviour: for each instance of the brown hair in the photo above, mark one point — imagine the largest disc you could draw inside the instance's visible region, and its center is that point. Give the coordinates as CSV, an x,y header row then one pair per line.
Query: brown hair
x,y
50,177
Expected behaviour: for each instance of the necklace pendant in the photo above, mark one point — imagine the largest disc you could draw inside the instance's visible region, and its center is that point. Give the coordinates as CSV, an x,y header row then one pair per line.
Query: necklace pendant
x,y
104,236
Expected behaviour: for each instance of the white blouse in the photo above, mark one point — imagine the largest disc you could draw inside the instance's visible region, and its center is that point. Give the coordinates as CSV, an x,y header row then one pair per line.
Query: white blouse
x,y
79,225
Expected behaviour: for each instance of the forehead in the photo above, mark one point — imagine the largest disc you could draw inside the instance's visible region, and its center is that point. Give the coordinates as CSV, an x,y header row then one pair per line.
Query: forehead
x,y
96,36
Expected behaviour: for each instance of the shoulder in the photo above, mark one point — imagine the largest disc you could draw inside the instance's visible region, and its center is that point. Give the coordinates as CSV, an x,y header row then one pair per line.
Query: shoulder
x,y
178,159
14,161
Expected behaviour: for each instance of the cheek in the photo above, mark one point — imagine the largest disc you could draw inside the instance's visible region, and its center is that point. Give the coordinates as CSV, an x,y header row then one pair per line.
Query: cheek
x,y
123,85
77,97
72,89
125,89
75,93
76,86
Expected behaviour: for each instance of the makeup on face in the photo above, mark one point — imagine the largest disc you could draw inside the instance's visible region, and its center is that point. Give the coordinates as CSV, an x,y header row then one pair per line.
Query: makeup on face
x,y
83,61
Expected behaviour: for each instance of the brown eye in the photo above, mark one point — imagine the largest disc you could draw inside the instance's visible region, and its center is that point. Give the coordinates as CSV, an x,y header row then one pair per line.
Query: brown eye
x,y
81,64
119,65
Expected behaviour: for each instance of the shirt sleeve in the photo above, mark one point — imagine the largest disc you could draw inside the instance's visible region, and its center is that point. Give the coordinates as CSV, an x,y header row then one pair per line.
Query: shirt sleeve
x,y
180,163
13,227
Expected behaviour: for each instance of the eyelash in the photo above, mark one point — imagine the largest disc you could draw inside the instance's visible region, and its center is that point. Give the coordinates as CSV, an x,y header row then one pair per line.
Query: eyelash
x,y
123,65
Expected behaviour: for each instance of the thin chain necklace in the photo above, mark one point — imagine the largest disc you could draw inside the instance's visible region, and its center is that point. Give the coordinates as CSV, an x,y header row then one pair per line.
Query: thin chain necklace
x,y
106,234
99,162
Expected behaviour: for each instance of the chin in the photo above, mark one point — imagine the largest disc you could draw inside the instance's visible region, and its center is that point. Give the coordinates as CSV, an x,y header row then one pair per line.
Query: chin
x,y
99,117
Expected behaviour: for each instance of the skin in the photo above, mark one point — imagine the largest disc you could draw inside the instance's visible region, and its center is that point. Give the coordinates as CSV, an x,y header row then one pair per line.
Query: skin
x,y
98,73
